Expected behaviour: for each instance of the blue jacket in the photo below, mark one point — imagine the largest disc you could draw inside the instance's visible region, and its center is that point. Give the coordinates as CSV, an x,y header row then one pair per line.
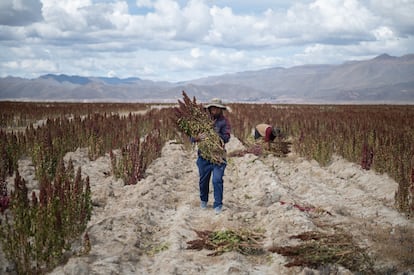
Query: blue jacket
x,y
222,128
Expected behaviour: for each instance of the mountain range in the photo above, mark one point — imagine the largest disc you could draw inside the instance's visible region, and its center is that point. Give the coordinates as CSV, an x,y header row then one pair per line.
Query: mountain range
x,y
383,79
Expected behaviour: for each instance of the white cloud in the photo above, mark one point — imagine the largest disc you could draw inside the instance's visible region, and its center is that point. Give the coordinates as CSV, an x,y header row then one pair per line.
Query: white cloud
x,y
39,65
67,6
226,57
146,71
264,61
196,53
229,29
396,14
339,15
144,3
328,21
178,62
383,33
198,36
197,20
111,73
66,15
117,15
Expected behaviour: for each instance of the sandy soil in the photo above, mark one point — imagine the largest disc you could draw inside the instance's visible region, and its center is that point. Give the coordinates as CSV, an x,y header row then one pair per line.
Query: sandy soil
x,y
144,228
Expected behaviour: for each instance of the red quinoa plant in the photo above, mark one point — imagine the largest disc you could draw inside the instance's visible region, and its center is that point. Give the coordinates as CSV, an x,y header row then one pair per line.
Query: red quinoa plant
x,y
38,229
192,119
377,137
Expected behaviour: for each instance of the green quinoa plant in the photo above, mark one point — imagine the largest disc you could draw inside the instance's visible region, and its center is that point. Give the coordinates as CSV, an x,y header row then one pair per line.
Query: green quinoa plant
x,y
243,241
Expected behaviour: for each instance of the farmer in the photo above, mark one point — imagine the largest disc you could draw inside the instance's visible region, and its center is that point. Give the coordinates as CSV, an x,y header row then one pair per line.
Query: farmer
x,y
205,167
267,132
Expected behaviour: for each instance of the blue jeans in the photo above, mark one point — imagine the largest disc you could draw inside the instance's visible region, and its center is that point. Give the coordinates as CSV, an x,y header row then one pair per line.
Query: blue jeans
x,y
205,169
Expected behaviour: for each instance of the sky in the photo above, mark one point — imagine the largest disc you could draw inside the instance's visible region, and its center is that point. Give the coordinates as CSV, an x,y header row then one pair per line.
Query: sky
x,y
165,40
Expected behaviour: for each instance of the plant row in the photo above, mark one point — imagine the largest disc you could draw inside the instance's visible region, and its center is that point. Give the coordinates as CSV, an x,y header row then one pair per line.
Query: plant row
x,y
39,227
378,137
22,114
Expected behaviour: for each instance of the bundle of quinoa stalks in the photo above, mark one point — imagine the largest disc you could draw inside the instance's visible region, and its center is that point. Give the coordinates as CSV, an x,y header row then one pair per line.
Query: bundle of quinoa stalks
x,y
193,119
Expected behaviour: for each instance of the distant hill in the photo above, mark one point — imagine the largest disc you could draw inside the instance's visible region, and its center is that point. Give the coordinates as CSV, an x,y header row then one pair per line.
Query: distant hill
x,y
74,79
81,80
383,79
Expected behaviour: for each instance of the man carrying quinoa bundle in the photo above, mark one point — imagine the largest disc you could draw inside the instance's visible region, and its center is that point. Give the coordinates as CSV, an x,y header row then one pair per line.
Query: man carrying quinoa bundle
x,y
208,168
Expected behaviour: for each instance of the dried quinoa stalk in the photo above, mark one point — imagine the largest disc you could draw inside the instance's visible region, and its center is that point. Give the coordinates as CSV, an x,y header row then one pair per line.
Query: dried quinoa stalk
x,y
192,119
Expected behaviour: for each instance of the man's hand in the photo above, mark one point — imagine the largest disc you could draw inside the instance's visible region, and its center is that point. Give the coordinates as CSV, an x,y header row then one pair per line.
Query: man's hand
x,y
200,137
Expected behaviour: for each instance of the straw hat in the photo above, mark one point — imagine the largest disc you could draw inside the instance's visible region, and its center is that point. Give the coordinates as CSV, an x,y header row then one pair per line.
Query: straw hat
x,y
215,102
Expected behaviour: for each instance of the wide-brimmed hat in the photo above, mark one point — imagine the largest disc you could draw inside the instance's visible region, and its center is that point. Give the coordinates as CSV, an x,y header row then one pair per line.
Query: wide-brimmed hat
x,y
215,102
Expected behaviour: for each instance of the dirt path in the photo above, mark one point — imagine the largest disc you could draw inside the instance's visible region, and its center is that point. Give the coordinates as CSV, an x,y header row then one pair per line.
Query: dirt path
x,y
144,228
